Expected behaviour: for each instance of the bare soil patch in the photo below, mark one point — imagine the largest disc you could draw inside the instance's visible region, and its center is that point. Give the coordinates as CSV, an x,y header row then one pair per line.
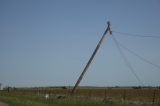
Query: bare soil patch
x,y
3,104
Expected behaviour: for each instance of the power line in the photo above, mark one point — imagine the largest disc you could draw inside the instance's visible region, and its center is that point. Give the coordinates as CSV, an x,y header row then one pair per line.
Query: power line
x,y
126,61
140,57
136,35
92,57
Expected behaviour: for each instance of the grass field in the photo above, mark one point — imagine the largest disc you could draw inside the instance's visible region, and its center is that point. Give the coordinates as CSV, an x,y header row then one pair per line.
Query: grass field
x,y
83,97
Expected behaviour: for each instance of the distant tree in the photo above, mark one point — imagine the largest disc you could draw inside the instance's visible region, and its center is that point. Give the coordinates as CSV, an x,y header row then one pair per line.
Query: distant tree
x,y
64,87
136,87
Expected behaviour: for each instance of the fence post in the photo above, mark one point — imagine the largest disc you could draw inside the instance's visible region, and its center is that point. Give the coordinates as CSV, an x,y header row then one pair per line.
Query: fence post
x,y
105,95
124,96
154,95
90,93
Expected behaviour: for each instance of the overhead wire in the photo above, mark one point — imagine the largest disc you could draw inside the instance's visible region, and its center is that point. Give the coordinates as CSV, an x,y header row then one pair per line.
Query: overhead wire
x,y
136,35
126,60
140,57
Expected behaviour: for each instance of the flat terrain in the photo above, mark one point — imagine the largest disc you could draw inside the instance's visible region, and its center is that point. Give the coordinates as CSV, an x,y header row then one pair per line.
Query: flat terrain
x,y
83,97
3,104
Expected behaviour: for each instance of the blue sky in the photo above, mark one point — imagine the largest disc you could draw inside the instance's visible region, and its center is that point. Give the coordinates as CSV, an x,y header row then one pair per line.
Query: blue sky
x,y
48,42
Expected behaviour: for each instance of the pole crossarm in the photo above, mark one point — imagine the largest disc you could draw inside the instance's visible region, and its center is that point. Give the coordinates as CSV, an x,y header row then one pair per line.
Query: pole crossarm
x,y
91,58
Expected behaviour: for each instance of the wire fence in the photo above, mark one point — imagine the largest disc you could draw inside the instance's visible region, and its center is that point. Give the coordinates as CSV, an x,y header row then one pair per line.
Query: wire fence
x,y
135,95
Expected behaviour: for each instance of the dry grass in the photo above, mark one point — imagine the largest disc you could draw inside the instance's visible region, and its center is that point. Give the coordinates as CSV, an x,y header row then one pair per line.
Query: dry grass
x,y
85,96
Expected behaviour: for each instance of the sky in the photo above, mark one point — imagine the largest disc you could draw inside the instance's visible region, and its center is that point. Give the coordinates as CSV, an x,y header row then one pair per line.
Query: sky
x,y
48,42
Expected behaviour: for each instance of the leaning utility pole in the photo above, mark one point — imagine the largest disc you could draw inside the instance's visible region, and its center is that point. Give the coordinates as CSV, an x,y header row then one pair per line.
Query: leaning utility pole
x,y
91,58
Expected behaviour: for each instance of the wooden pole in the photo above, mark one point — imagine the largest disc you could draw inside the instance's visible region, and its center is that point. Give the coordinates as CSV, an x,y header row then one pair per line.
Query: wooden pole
x,y
91,58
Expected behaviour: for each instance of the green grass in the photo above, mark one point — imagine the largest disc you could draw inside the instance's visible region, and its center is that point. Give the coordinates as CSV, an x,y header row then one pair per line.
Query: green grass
x,y
18,99
83,97
21,100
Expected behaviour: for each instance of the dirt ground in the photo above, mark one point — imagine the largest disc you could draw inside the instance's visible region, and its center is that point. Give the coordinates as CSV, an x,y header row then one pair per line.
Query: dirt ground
x,y
3,104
